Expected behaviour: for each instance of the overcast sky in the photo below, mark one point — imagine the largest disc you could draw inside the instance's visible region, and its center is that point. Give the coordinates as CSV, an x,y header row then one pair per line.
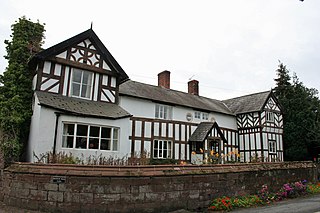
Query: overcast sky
x,y
231,47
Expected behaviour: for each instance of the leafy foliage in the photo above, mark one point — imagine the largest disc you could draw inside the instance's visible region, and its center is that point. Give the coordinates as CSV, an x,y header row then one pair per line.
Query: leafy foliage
x,y
301,106
16,90
264,196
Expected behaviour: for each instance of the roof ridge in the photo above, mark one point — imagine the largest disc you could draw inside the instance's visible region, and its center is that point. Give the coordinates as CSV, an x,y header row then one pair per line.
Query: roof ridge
x,y
174,90
267,91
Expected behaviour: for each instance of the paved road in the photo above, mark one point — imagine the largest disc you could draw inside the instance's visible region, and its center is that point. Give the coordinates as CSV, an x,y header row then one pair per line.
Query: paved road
x,y
298,205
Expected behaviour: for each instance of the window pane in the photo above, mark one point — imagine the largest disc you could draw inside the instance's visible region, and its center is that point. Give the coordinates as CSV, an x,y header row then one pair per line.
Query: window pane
x,y
115,145
155,144
165,145
82,130
160,111
81,142
94,131
160,153
205,116
169,149
105,144
157,111
76,76
68,129
165,112
75,90
115,133
106,133
88,91
84,91
165,153
155,153
87,76
67,141
169,113
93,143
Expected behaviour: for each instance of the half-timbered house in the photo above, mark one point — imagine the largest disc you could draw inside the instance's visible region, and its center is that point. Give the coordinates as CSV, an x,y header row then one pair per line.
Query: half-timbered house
x,y
85,104
76,108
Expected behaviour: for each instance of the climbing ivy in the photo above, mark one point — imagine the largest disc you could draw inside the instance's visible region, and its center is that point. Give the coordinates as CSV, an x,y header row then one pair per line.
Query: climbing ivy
x,y
16,87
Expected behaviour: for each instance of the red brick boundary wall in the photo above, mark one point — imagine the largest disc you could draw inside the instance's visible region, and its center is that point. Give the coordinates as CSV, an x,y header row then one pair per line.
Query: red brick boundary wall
x,y
68,188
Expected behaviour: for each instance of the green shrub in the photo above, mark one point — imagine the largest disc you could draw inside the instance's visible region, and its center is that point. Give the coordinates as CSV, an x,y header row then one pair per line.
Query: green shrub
x,y
163,161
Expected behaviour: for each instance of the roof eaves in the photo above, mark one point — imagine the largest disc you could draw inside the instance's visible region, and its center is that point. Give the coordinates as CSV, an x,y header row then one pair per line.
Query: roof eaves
x,y
84,114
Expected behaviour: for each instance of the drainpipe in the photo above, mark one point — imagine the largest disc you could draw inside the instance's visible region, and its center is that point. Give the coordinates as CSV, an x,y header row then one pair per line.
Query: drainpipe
x,y
55,135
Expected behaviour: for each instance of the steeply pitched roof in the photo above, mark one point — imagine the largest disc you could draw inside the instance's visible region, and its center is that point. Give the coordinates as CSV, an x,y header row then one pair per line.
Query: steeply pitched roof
x,y
248,103
172,97
88,34
81,107
201,132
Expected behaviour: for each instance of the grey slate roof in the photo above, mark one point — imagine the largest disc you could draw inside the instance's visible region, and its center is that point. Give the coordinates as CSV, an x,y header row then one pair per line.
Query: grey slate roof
x,y
172,97
248,103
201,132
81,107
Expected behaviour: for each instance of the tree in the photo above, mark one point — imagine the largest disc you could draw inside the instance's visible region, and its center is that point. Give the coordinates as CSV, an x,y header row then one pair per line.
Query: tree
x,y
300,107
16,92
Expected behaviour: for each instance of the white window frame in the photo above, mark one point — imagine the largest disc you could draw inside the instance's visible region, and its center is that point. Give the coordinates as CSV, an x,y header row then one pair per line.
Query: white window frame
x,y
163,112
272,146
205,116
159,150
197,115
113,139
270,116
81,84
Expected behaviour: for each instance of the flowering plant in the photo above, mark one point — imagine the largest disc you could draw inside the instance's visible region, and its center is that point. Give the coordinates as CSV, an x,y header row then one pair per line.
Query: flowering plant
x,y
264,196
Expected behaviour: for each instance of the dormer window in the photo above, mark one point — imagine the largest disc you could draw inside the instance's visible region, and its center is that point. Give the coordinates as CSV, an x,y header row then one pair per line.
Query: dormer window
x,y
81,84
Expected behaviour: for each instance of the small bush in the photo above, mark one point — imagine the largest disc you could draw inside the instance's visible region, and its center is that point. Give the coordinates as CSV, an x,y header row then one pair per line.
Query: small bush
x,y
61,158
11,149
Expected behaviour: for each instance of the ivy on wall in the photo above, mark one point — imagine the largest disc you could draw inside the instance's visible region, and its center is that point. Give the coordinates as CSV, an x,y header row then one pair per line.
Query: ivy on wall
x,y
16,87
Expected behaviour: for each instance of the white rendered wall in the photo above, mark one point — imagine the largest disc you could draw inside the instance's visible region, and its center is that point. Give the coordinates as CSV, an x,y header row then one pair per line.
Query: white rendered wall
x,y
41,133
43,124
138,107
145,108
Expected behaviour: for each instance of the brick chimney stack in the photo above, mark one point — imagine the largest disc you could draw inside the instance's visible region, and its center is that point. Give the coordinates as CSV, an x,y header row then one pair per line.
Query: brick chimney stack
x,y
164,79
193,87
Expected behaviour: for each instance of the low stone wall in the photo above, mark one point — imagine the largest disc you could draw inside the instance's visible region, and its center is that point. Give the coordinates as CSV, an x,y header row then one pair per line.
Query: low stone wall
x,y
65,188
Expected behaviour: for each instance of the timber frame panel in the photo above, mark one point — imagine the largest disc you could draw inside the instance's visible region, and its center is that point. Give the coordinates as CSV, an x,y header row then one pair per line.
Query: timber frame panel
x,y
256,131
145,130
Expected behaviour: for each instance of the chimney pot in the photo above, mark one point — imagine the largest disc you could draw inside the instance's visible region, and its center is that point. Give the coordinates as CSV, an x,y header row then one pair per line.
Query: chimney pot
x,y
164,79
193,87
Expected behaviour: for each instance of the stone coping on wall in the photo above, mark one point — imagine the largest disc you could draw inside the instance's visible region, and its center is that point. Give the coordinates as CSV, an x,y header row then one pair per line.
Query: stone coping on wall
x,y
151,170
